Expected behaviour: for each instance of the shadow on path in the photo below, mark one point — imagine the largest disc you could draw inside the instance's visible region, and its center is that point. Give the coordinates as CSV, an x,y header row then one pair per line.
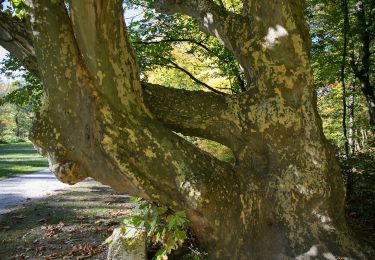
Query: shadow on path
x,y
18,190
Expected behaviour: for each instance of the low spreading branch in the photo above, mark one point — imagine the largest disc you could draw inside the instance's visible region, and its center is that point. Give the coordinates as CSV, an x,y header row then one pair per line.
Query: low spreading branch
x,y
194,113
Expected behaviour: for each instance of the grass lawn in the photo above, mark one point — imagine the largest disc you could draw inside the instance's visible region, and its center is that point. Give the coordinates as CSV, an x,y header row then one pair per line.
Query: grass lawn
x,y
19,158
70,225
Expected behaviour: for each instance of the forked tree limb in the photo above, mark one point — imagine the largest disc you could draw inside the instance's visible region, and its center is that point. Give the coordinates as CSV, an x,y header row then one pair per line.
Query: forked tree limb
x,y
80,121
156,97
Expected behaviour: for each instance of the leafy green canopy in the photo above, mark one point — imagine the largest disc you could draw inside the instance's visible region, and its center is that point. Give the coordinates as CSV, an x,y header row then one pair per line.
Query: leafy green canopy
x,y
28,90
326,20
155,36
16,8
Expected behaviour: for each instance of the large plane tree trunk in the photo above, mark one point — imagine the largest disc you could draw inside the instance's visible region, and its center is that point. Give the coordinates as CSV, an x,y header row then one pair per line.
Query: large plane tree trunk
x,y
284,197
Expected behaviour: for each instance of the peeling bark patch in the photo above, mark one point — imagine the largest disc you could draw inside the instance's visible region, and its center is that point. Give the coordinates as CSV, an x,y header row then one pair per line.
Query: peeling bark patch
x,y
272,112
150,154
100,75
273,34
132,136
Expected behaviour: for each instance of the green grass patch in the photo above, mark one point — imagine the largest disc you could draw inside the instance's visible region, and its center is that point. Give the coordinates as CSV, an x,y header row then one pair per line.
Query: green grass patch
x,y
19,158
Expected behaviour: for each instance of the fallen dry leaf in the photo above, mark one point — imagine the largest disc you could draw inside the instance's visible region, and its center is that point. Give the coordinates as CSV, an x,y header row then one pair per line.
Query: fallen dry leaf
x,y
42,220
51,230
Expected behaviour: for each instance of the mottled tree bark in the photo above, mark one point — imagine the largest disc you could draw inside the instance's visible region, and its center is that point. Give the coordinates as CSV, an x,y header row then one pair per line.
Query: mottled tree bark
x,y
284,197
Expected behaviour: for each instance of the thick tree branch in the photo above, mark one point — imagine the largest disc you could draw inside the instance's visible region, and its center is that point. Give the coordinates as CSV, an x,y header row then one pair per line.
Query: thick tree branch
x,y
60,70
15,38
212,18
195,113
107,48
51,29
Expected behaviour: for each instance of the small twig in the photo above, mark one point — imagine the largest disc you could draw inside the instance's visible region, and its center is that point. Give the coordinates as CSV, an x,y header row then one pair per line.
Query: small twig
x,y
176,40
194,78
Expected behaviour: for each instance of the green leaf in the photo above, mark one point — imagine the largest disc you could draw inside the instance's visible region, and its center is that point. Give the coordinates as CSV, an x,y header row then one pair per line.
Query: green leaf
x,y
176,220
153,226
162,210
180,235
137,221
135,199
161,254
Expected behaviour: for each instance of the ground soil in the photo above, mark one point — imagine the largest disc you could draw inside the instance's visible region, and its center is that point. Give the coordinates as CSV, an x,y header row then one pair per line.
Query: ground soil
x,y
70,225
74,223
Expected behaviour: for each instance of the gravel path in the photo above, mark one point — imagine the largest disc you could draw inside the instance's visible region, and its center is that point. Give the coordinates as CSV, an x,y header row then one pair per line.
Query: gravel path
x,y
18,190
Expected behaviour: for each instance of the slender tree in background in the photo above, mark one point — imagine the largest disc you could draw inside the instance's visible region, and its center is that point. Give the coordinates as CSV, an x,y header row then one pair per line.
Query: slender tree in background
x,y
283,197
349,179
337,42
327,23
361,61
342,76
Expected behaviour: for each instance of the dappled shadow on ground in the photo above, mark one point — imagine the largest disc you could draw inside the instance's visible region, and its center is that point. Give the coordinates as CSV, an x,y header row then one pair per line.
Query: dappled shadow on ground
x,y
15,191
72,224
19,158
16,148
14,168
361,203
361,217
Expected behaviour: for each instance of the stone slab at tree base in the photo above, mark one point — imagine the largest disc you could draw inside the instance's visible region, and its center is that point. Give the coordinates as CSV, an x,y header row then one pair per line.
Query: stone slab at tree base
x,y
128,243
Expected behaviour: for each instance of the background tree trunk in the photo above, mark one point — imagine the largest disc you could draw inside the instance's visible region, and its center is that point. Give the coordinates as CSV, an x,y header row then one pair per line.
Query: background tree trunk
x,y
351,107
361,67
